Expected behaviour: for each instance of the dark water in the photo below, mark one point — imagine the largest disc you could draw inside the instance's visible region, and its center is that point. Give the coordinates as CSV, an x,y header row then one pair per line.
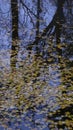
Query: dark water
x,y
36,83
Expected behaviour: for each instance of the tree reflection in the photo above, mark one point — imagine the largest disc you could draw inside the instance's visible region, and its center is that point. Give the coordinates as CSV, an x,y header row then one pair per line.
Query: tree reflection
x,y
15,37
39,94
59,23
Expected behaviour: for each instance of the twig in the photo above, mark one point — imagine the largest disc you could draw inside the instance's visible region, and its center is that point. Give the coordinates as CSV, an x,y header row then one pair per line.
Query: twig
x,y
28,8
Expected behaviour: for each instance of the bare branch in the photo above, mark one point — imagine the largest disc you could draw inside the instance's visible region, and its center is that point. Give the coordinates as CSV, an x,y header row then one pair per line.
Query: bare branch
x,y
45,31
28,8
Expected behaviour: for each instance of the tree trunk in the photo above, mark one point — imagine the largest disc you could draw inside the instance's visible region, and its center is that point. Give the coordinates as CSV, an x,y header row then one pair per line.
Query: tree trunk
x,y
59,22
14,47
38,19
37,25
14,11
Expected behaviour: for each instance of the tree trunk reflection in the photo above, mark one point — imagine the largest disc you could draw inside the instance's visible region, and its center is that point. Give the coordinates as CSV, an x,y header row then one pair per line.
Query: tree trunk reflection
x,y
14,47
